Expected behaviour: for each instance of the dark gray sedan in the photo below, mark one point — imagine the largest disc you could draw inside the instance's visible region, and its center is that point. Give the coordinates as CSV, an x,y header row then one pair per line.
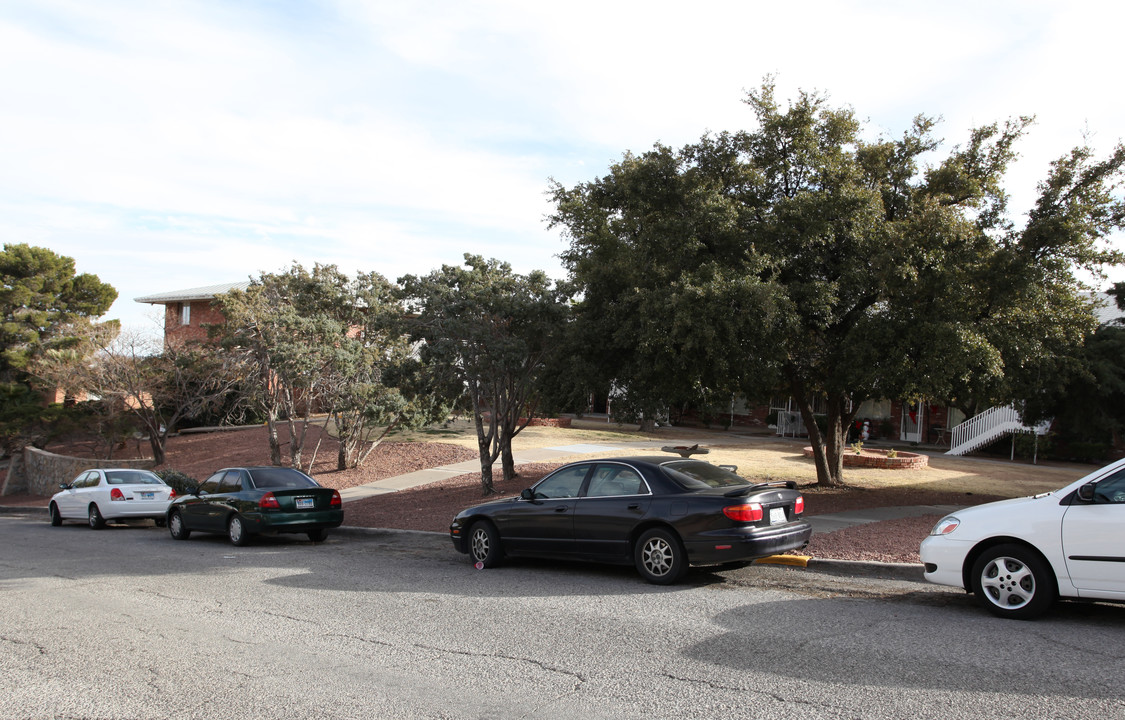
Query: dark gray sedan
x,y
660,514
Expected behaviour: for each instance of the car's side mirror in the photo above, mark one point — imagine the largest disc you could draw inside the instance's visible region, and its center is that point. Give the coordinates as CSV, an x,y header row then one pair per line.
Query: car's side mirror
x,y
527,494
1086,492
64,486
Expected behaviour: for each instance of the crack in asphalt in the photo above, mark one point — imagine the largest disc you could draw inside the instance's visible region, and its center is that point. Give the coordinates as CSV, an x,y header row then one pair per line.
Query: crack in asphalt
x,y
16,641
764,693
369,641
578,677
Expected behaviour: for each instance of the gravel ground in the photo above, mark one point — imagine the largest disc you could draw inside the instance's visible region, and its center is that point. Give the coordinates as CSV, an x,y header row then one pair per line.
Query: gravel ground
x,y
432,506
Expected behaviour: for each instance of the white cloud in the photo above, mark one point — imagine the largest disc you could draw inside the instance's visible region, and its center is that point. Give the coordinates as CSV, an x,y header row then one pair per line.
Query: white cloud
x,y
177,144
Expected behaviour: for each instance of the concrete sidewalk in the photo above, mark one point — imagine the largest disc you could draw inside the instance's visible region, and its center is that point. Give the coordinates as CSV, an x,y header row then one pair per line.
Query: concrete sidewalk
x,y
561,453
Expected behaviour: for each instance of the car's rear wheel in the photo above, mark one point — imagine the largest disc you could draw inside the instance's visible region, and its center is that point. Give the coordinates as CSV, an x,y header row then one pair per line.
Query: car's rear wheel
x,y
95,518
484,545
318,535
237,532
1012,581
56,518
659,557
176,527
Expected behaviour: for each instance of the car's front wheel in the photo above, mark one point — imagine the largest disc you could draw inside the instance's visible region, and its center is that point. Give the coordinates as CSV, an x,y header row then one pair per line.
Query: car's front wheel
x,y
659,557
95,517
56,518
1012,581
237,532
176,527
484,545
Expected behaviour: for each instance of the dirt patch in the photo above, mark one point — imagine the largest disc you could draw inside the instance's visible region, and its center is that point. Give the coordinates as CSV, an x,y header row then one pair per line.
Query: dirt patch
x,y
200,454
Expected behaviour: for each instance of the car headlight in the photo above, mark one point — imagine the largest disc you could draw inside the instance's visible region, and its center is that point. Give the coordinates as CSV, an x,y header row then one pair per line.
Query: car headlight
x,y
945,526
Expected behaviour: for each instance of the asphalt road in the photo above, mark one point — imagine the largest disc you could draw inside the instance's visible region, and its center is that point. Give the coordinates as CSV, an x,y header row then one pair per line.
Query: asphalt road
x,y
127,623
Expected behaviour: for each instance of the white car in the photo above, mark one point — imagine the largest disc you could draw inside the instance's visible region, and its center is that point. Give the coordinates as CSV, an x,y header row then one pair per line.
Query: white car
x,y
97,496
1017,556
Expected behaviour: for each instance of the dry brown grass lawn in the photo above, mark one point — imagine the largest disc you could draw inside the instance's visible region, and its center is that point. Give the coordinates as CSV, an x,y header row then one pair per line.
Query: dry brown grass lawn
x,y
767,457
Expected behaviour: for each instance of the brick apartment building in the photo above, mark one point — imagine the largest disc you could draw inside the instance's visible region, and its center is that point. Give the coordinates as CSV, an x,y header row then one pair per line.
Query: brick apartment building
x,y
188,312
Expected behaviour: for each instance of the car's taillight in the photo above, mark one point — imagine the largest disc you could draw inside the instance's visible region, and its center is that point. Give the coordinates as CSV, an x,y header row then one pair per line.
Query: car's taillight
x,y
269,502
751,512
799,506
171,494
116,494
337,501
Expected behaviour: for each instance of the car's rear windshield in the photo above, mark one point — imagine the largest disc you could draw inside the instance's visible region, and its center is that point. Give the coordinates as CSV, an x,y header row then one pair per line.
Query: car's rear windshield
x,y
131,477
698,475
281,478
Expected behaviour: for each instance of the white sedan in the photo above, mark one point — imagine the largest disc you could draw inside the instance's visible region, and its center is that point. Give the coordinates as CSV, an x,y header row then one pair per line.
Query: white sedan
x,y
97,496
1018,556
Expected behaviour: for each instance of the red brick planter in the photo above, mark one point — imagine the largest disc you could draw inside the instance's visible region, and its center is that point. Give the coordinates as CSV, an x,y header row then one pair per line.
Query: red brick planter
x,y
549,422
879,459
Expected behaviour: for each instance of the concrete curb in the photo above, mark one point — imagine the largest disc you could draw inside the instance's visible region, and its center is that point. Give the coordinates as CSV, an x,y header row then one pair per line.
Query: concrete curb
x,y
871,569
889,571
22,509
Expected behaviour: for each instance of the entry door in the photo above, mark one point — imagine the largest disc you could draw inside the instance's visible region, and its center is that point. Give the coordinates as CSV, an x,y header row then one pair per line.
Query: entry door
x,y
1093,538
911,430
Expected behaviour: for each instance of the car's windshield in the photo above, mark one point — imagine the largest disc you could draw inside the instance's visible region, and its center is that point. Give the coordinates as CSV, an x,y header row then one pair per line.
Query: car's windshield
x,y
131,477
697,475
281,478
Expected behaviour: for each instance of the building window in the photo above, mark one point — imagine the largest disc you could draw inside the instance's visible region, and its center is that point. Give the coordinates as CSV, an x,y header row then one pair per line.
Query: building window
x,y
185,315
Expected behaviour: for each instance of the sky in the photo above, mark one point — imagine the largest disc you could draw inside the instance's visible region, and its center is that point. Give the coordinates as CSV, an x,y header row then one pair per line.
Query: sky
x,y
167,145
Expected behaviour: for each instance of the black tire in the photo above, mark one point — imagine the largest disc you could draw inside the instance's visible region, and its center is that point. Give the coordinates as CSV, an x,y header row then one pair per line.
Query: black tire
x,y
176,527
56,518
318,535
1012,581
659,557
97,522
237,532
484,544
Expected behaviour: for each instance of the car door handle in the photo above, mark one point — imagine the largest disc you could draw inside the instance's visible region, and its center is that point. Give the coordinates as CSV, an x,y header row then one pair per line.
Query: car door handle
x,y
562,508
634,506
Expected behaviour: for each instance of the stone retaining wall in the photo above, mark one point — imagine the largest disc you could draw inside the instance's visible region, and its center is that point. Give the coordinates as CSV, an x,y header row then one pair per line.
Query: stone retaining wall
x,y
40,472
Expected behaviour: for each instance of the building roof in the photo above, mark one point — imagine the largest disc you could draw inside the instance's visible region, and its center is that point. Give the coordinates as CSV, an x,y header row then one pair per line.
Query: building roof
x,y
210,292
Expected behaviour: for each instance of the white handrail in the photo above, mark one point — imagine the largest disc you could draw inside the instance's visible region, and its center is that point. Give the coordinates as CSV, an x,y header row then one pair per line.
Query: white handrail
x,y
979,430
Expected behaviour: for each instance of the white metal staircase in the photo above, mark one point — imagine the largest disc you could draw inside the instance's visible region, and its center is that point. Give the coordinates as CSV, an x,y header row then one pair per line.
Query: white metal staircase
x,y
990,425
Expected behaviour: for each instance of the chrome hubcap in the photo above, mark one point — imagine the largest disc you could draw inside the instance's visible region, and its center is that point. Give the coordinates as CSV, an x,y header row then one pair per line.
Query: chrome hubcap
x,y
657,556
235,529
1008,583
479,544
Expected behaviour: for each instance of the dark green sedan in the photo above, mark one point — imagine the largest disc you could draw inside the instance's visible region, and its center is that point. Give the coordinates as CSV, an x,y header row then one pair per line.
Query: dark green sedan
x,y
247,501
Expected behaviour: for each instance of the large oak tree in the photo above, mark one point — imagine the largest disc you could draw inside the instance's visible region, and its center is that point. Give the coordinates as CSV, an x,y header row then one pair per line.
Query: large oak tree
x,y
801,255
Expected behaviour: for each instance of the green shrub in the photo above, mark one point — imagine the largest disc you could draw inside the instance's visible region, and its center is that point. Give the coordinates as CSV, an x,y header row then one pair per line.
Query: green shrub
x,y
1088,452
182,483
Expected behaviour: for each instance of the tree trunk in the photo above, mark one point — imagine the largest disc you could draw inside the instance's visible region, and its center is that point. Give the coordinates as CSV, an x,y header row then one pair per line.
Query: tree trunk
x,y
484,441
828,460
275,445
507,462
157,444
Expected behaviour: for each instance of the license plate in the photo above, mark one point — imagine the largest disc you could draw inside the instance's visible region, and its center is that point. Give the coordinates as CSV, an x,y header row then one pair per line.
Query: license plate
x,y
305,503
147,496
777,516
